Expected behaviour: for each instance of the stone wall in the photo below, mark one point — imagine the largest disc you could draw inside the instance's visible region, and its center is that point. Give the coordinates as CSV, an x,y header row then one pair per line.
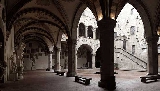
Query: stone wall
x,y
33,49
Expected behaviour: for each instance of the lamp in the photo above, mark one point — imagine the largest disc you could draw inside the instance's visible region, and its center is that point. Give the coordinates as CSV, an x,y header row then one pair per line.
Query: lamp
x,y
100,16
158,31
112,16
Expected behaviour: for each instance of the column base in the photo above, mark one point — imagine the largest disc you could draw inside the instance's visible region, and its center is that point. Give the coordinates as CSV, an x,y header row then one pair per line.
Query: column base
x,y
109,83
71,74
20,77
33,68
153,74
13,77
55,70
48,69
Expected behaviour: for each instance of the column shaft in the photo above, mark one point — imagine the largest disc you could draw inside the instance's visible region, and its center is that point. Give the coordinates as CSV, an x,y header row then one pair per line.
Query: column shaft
x,y
86,31
106,27
72,59
152,55
58,58
50,61
19,65
93,60
94,34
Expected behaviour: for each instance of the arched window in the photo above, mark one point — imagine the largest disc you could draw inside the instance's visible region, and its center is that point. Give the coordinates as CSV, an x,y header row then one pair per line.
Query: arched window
x,y
132,30
90,32
81,29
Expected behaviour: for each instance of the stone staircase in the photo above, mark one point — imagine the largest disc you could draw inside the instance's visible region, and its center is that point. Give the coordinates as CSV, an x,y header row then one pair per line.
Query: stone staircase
x,y
131,59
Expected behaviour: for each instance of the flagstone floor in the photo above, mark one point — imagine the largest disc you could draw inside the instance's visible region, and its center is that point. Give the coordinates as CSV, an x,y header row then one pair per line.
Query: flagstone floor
x,y
41,80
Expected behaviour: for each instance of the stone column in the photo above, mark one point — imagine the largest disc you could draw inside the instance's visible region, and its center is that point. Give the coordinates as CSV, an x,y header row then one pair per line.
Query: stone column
x,y
20,61
106,27
94,33
78,31
57,60
72,59
93,60
20,68
50,61
152,55
86,31
15,67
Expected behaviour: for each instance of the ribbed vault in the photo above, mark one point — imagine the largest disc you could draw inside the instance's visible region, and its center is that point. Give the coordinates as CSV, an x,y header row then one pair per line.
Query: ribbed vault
x,y
51,17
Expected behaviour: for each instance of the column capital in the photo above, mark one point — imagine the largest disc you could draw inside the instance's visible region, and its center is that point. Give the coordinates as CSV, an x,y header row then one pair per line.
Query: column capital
x,y
93,54
57,48
50,52
72,41
14,53
154,38
106,24
94,29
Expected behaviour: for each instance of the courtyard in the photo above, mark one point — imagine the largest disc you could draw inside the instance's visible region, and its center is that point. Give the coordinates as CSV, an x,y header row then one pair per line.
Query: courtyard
x,y
41,80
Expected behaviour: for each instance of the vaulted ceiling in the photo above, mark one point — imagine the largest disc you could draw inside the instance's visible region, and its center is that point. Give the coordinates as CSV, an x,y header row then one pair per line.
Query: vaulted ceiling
x,y
45,20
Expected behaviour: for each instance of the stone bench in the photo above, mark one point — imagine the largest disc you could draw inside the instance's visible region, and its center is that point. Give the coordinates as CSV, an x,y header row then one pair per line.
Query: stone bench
x,y
85,81
144,79
60,73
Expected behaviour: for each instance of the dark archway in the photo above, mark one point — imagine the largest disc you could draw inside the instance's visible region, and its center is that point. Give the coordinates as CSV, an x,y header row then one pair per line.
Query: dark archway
x,y
2,63
90,32
82,30
84,55
35,55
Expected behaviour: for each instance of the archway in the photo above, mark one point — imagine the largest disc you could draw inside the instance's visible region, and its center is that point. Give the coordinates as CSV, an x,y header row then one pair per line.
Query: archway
x,y
82,30
130,42
90,32
84,56
35,55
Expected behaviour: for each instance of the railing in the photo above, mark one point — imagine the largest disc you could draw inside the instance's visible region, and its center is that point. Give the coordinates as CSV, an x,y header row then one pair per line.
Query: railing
x,y
133,58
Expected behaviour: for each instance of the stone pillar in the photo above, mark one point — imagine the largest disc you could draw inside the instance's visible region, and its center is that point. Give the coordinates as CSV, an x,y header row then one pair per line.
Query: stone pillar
x,y
57,60
19,64
72,59
50,61
106,27
78,31
15,67
152,55
86,31
94,33
20,60
20,69
93,60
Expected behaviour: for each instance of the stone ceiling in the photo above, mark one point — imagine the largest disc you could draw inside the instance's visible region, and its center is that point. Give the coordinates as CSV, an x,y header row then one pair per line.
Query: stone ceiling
x,y
48,19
